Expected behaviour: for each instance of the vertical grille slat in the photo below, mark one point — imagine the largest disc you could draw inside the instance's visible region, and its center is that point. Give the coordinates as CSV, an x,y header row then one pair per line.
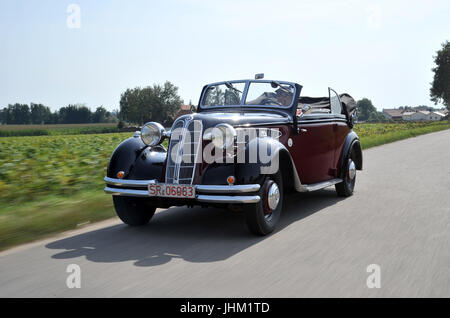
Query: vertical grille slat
x,y
183,151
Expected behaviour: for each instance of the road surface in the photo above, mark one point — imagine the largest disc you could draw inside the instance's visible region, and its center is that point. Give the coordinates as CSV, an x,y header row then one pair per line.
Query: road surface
x,y
398,218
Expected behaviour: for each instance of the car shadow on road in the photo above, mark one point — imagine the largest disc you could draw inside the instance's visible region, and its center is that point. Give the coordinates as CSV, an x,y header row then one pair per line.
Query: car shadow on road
x,y
194,235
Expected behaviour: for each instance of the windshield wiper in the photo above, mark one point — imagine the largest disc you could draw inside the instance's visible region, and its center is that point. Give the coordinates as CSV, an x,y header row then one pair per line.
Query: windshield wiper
x,y
284,89
230,86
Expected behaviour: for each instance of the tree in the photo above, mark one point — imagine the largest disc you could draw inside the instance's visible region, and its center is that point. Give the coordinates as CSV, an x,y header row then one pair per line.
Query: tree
x,y
152,103
40,114
368,112
100,115
365,108
74,114
18,114
440,88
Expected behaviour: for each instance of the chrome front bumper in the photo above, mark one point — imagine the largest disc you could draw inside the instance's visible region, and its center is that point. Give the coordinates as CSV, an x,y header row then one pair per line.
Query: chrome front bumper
x,y
204,193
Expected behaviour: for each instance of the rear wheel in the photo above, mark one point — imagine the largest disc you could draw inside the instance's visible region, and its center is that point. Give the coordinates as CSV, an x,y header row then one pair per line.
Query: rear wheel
x,y
133,211
262,217
345,188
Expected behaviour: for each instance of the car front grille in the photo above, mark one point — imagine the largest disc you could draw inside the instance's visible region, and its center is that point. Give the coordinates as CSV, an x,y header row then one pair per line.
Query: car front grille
x,y
184,147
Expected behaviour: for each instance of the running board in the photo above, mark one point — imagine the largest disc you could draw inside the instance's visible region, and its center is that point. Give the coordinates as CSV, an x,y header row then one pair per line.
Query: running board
x,y
320,185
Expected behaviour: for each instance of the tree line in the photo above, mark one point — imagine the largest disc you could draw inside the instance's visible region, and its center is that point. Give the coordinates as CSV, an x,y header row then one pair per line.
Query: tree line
x,y
24,114
160,103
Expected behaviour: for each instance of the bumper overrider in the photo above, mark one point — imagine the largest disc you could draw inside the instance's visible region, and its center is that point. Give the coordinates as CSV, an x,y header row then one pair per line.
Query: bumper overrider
x,y
204,193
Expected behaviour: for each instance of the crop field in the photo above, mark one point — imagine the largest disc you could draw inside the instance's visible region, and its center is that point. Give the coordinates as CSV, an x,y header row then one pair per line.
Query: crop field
x,y
54,183
57,129
375,134
32,167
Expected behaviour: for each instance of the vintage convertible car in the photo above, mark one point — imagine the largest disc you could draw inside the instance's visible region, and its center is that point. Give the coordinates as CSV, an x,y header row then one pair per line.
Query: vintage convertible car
x,y
248,143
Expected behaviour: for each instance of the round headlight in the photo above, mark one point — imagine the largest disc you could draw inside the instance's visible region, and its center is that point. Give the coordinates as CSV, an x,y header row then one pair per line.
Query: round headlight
x,y
152,133
223,135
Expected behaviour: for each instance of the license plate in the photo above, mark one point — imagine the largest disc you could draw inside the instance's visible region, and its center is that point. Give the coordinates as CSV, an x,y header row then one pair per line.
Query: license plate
x,y
171,190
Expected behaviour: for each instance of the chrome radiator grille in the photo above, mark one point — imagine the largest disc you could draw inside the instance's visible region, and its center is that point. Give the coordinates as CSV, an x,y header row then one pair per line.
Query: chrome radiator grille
x,y
183,152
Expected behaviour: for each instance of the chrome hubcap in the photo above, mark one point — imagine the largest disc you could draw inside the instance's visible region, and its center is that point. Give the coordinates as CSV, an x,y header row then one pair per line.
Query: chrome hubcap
x,y
351,170
273,196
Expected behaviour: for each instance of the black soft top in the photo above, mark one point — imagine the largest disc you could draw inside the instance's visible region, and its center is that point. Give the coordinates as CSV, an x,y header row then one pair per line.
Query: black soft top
x,y
323,103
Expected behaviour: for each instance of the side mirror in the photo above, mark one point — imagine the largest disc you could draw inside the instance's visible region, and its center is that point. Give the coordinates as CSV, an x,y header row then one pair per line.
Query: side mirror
x,y
193,109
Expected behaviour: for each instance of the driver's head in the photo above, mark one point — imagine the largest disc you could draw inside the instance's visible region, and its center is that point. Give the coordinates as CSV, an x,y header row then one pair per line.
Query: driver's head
x,y
283,97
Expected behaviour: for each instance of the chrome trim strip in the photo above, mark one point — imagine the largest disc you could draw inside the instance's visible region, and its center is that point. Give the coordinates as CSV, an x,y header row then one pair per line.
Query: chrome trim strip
x,y
227,188
197,145
320,121
127,182
320,185
127,192
176,171
248,125
228,199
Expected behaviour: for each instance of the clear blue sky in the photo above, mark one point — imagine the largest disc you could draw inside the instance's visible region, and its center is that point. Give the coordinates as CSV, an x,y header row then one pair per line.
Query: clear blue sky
x,y
382,50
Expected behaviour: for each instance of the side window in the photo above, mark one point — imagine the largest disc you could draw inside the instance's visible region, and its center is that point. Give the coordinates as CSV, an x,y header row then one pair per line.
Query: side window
x,y
335,103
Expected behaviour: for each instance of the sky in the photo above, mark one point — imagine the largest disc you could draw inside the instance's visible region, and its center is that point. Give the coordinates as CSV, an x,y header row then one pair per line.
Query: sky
x,y
60,52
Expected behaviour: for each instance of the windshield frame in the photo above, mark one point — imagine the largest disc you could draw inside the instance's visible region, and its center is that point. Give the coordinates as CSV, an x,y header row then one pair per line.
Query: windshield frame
x,y
244,95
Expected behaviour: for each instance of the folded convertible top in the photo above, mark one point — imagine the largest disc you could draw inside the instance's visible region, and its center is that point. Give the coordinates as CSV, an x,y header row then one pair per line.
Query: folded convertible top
x,y
348,103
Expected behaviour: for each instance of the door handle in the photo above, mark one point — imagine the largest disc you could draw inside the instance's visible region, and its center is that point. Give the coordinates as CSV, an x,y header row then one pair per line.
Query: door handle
x,y
303,130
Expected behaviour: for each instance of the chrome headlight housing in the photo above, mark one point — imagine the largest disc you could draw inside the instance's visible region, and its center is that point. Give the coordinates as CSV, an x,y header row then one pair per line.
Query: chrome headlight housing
x,y
152,133
223,135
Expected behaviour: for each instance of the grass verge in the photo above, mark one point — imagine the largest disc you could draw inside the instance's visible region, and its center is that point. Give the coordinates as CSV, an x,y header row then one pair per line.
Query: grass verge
x,y
22,222
35,220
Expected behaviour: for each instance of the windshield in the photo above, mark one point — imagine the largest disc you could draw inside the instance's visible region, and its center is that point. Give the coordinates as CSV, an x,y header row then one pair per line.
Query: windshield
x,y
224,94
273,94
258,93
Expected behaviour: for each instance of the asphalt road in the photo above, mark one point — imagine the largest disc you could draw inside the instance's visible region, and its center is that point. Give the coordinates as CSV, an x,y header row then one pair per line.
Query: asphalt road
x,y
398,218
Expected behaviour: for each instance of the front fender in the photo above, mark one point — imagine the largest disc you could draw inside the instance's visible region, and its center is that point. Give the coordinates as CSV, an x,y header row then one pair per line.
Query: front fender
x,y
260,157
137,160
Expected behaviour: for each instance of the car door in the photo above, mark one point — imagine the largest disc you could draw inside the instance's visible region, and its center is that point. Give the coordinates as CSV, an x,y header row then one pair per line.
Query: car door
x,y
314,147
340,127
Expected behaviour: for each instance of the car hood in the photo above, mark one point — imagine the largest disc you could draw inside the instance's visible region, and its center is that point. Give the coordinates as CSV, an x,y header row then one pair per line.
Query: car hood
x,y
238,119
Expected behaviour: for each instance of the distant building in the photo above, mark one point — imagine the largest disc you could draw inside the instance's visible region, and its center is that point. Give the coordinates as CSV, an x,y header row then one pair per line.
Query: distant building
x,y
421,115
394,114
412,114
436,115
184,110
407,116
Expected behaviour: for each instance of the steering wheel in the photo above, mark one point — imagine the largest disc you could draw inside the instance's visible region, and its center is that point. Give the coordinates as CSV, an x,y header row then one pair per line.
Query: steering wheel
x,y
270,101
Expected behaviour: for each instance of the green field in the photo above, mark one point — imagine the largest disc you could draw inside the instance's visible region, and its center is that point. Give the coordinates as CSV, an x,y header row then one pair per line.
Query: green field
x,y
380,133
53,183
57,129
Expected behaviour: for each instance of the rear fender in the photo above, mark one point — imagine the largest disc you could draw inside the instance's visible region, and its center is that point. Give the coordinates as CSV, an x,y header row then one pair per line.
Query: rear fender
x,y
351,142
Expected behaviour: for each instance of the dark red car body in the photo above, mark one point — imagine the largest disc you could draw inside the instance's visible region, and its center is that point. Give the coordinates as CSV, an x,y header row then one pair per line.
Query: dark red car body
x,y
316,148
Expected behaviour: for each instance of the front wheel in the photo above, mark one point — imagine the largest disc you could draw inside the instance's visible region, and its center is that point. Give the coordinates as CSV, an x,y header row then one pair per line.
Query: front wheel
x,y
133,211
262,217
